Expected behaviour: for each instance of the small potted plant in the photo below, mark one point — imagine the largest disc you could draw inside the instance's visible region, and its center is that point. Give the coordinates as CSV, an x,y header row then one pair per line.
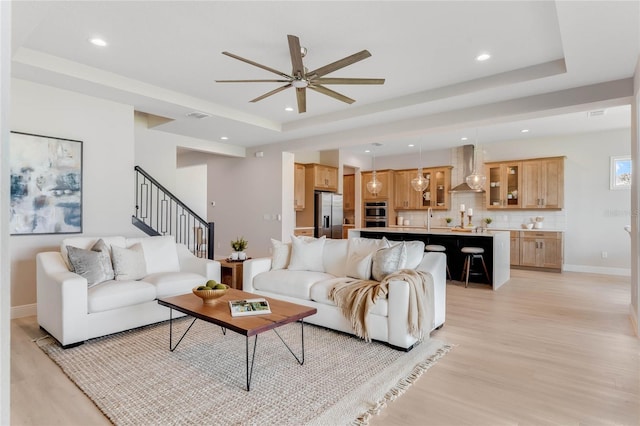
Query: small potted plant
x,y
488,221
239,245
448,220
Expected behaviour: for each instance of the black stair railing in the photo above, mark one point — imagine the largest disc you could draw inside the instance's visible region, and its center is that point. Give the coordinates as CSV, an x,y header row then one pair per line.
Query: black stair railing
x,y
159,212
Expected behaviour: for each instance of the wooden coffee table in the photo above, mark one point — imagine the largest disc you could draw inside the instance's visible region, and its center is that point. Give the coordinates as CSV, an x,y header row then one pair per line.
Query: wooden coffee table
x,y
219,313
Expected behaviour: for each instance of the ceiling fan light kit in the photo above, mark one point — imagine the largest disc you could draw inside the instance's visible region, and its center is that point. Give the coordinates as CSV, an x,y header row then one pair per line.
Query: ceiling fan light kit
x,y
301,79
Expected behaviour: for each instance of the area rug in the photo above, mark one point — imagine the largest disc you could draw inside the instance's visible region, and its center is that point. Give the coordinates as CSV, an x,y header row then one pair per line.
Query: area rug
x,y
135,380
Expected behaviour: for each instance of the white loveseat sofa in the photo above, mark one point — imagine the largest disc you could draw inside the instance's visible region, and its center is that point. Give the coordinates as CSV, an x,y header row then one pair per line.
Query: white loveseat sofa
x,y
309,284
74,308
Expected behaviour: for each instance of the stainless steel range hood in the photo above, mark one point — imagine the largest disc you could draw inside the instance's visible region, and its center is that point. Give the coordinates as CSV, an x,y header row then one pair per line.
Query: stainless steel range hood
x,y
468,165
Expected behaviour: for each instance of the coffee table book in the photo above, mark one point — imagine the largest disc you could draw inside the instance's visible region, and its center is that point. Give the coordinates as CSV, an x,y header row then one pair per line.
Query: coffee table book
x,y
244,307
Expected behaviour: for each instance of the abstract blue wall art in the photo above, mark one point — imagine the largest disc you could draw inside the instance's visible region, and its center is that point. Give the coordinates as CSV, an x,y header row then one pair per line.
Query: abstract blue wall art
x,y
46,185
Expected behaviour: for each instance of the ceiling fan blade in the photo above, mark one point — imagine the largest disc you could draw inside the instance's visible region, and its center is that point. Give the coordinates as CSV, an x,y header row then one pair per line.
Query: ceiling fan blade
x,y
334,66
252,81
301,96
348,80
329,92
255,64
296,55
273,92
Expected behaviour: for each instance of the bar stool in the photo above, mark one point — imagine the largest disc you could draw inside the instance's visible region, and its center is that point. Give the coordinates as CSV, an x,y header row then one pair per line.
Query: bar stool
x,y
439,249
470,254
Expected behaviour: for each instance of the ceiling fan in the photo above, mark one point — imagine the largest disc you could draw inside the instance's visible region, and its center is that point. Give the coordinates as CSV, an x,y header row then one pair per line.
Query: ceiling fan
x,y
302,79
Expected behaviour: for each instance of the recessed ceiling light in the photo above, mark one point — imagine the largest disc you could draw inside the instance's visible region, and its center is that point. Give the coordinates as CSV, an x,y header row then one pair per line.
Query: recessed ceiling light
x,y
289,109
482,57
367,150
98,42
524,131
464,138
411,145
224,138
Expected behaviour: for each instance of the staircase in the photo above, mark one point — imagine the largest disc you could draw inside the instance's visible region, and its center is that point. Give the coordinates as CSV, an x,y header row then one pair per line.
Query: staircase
x,y
159,212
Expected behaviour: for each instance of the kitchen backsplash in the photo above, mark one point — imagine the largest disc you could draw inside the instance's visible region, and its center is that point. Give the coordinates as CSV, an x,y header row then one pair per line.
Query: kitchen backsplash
x,y
504,219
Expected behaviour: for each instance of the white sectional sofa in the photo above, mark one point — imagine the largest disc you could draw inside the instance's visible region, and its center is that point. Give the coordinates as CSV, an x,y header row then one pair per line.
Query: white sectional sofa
x,y
307,281
74,307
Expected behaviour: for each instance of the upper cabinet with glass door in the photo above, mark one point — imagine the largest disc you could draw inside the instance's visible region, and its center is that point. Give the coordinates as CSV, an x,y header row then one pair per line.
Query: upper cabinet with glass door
x,y
437,194
504,186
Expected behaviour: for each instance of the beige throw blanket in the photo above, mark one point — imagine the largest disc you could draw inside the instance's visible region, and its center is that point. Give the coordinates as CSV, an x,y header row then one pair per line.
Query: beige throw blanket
x,y
356,298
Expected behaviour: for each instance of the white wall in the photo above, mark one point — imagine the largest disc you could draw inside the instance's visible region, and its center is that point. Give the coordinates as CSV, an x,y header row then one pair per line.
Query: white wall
x,y
191,182
248,198
5,289
106,130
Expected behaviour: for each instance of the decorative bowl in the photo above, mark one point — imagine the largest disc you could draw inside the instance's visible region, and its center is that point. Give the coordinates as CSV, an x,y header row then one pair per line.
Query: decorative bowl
x,y
209,297
527,225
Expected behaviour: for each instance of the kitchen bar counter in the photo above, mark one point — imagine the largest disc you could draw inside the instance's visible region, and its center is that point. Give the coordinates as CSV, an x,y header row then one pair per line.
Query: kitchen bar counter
x,y
496,245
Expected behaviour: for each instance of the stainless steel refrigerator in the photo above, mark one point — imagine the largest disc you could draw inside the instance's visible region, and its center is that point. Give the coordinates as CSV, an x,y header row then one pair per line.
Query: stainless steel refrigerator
x,y
328,215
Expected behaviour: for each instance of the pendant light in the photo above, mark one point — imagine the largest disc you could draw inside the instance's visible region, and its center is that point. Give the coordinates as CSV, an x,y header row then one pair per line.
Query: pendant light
x,y
420,183
476,180
374,185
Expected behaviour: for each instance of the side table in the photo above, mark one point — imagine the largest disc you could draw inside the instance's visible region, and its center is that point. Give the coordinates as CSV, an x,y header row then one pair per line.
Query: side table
x,y
231,273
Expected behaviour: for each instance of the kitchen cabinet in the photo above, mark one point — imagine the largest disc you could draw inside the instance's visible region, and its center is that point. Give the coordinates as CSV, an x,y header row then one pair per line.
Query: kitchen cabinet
x,y
317,177
436,195
308,232
298,187
504,185
515,248
543,183
349,192
345,230
324,178
541,249
386,191
405,197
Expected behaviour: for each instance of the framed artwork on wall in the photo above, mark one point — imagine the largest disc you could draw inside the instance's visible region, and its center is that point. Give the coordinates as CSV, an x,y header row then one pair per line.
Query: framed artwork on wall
x,y
46,185
620,172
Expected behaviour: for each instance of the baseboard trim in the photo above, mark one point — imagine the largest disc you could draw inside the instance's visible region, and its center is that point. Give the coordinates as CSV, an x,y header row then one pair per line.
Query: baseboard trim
x,y
625,272
24,311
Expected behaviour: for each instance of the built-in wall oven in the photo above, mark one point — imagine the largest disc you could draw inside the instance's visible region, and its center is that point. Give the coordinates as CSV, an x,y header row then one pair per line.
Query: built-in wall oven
x,y
376,214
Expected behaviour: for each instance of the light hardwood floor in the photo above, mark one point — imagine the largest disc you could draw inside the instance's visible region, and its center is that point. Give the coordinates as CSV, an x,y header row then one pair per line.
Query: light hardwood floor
x,y
545,349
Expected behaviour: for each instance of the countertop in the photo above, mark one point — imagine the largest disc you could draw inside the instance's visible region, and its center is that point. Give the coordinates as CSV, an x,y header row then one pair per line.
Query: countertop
x,y
443,228
434,231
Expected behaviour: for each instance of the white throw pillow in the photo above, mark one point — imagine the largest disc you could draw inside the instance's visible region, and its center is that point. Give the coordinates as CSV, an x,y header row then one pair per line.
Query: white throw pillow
x,y
306,254
334,256
128,264
388,260
415,253
160,253
359,249
281,254
359,266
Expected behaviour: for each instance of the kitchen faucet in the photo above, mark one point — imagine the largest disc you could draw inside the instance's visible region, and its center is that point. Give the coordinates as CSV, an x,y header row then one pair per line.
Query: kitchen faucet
x,y
429,216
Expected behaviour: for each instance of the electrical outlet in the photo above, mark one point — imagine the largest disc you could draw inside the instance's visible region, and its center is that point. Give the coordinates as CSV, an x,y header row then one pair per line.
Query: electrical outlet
x,y
604,254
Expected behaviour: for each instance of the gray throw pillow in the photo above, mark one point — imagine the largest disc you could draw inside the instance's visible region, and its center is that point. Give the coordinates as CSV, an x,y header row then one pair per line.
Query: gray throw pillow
x,y
129,264
388,260
95,266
